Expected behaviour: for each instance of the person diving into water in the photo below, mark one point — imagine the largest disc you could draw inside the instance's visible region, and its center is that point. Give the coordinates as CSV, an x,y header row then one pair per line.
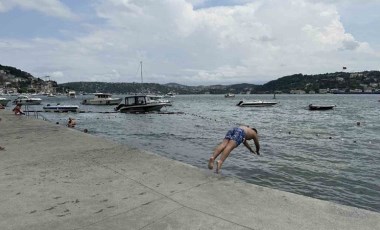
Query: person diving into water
x,y
233,139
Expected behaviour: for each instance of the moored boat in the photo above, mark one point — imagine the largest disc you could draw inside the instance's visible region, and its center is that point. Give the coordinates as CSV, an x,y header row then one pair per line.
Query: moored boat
x,y
61,108
159,99
229,95
4,101
25,100
102,99
321,107
170,94
255,103
72,94
139,104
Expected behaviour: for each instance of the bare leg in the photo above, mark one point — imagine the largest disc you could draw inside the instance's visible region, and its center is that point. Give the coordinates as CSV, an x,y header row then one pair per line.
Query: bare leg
x,y
216,153
227,150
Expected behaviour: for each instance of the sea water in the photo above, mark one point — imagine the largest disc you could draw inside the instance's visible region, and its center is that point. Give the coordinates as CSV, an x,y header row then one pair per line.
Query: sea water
x,y
322,154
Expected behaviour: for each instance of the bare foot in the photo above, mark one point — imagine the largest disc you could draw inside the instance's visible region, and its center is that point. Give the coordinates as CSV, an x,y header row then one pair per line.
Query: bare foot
x,y
211,163
218,166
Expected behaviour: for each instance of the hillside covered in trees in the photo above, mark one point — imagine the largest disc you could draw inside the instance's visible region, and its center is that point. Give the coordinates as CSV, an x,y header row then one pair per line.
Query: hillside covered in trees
x,y
339,82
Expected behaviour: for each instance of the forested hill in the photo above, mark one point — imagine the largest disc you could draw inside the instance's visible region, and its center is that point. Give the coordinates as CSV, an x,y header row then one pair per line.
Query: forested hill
x,y
17,73
367,81
113,87
342,81
11,77
125,88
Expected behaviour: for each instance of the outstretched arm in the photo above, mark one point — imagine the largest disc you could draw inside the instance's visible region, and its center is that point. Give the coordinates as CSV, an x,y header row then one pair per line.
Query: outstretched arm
x,y
249,147
257,144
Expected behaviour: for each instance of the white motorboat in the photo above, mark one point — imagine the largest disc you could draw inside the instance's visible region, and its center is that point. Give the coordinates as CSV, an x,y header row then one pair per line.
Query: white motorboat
x,y
170,94
139,104
25,100
229,95
320,107
102,99
61,108
159,99
72,94
256,103
4,101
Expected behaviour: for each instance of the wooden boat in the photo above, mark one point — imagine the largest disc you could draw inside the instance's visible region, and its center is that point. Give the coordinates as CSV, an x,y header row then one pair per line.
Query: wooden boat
x,y
61,108
139,104
320,107
256,103
102,99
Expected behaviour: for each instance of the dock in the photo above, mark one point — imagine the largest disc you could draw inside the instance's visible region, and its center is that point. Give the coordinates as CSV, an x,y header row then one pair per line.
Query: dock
x,y
54,177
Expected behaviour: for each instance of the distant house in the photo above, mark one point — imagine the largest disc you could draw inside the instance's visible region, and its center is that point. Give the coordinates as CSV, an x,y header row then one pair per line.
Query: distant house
x,y
356,90
354,75
324,91
337,91
297,91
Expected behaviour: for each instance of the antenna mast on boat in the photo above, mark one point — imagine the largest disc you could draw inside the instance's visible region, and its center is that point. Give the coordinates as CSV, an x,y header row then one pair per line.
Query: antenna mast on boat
x,y
141,72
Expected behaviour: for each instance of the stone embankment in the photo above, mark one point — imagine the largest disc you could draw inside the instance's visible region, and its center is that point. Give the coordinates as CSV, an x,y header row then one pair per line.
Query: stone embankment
x,y
54,177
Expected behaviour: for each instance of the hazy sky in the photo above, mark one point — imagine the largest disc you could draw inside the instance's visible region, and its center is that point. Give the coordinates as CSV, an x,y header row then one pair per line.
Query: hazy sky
x,y
192,42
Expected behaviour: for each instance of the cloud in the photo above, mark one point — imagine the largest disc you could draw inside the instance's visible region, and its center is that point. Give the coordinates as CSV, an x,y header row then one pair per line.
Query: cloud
x,y
52,8
253,41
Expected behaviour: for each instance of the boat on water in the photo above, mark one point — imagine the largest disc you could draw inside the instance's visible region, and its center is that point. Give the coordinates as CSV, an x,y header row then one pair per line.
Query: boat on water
x,y
72,94
170,94
159,99
229,95
102,99
321,107
25,100
139,104
61,108
4,101
256,103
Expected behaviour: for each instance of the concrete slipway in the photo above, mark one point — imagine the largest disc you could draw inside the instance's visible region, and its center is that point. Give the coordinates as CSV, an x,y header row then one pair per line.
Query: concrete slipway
x,y
53,177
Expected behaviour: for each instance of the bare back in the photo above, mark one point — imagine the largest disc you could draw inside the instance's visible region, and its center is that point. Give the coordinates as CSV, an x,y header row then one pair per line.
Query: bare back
x,y
249,133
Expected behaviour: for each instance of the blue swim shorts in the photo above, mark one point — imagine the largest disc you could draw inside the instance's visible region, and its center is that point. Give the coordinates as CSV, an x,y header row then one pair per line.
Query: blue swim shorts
x,y
236,134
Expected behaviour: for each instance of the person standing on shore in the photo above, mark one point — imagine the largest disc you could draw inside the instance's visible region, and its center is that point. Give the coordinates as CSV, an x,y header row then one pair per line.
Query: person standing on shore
x,y
233,139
